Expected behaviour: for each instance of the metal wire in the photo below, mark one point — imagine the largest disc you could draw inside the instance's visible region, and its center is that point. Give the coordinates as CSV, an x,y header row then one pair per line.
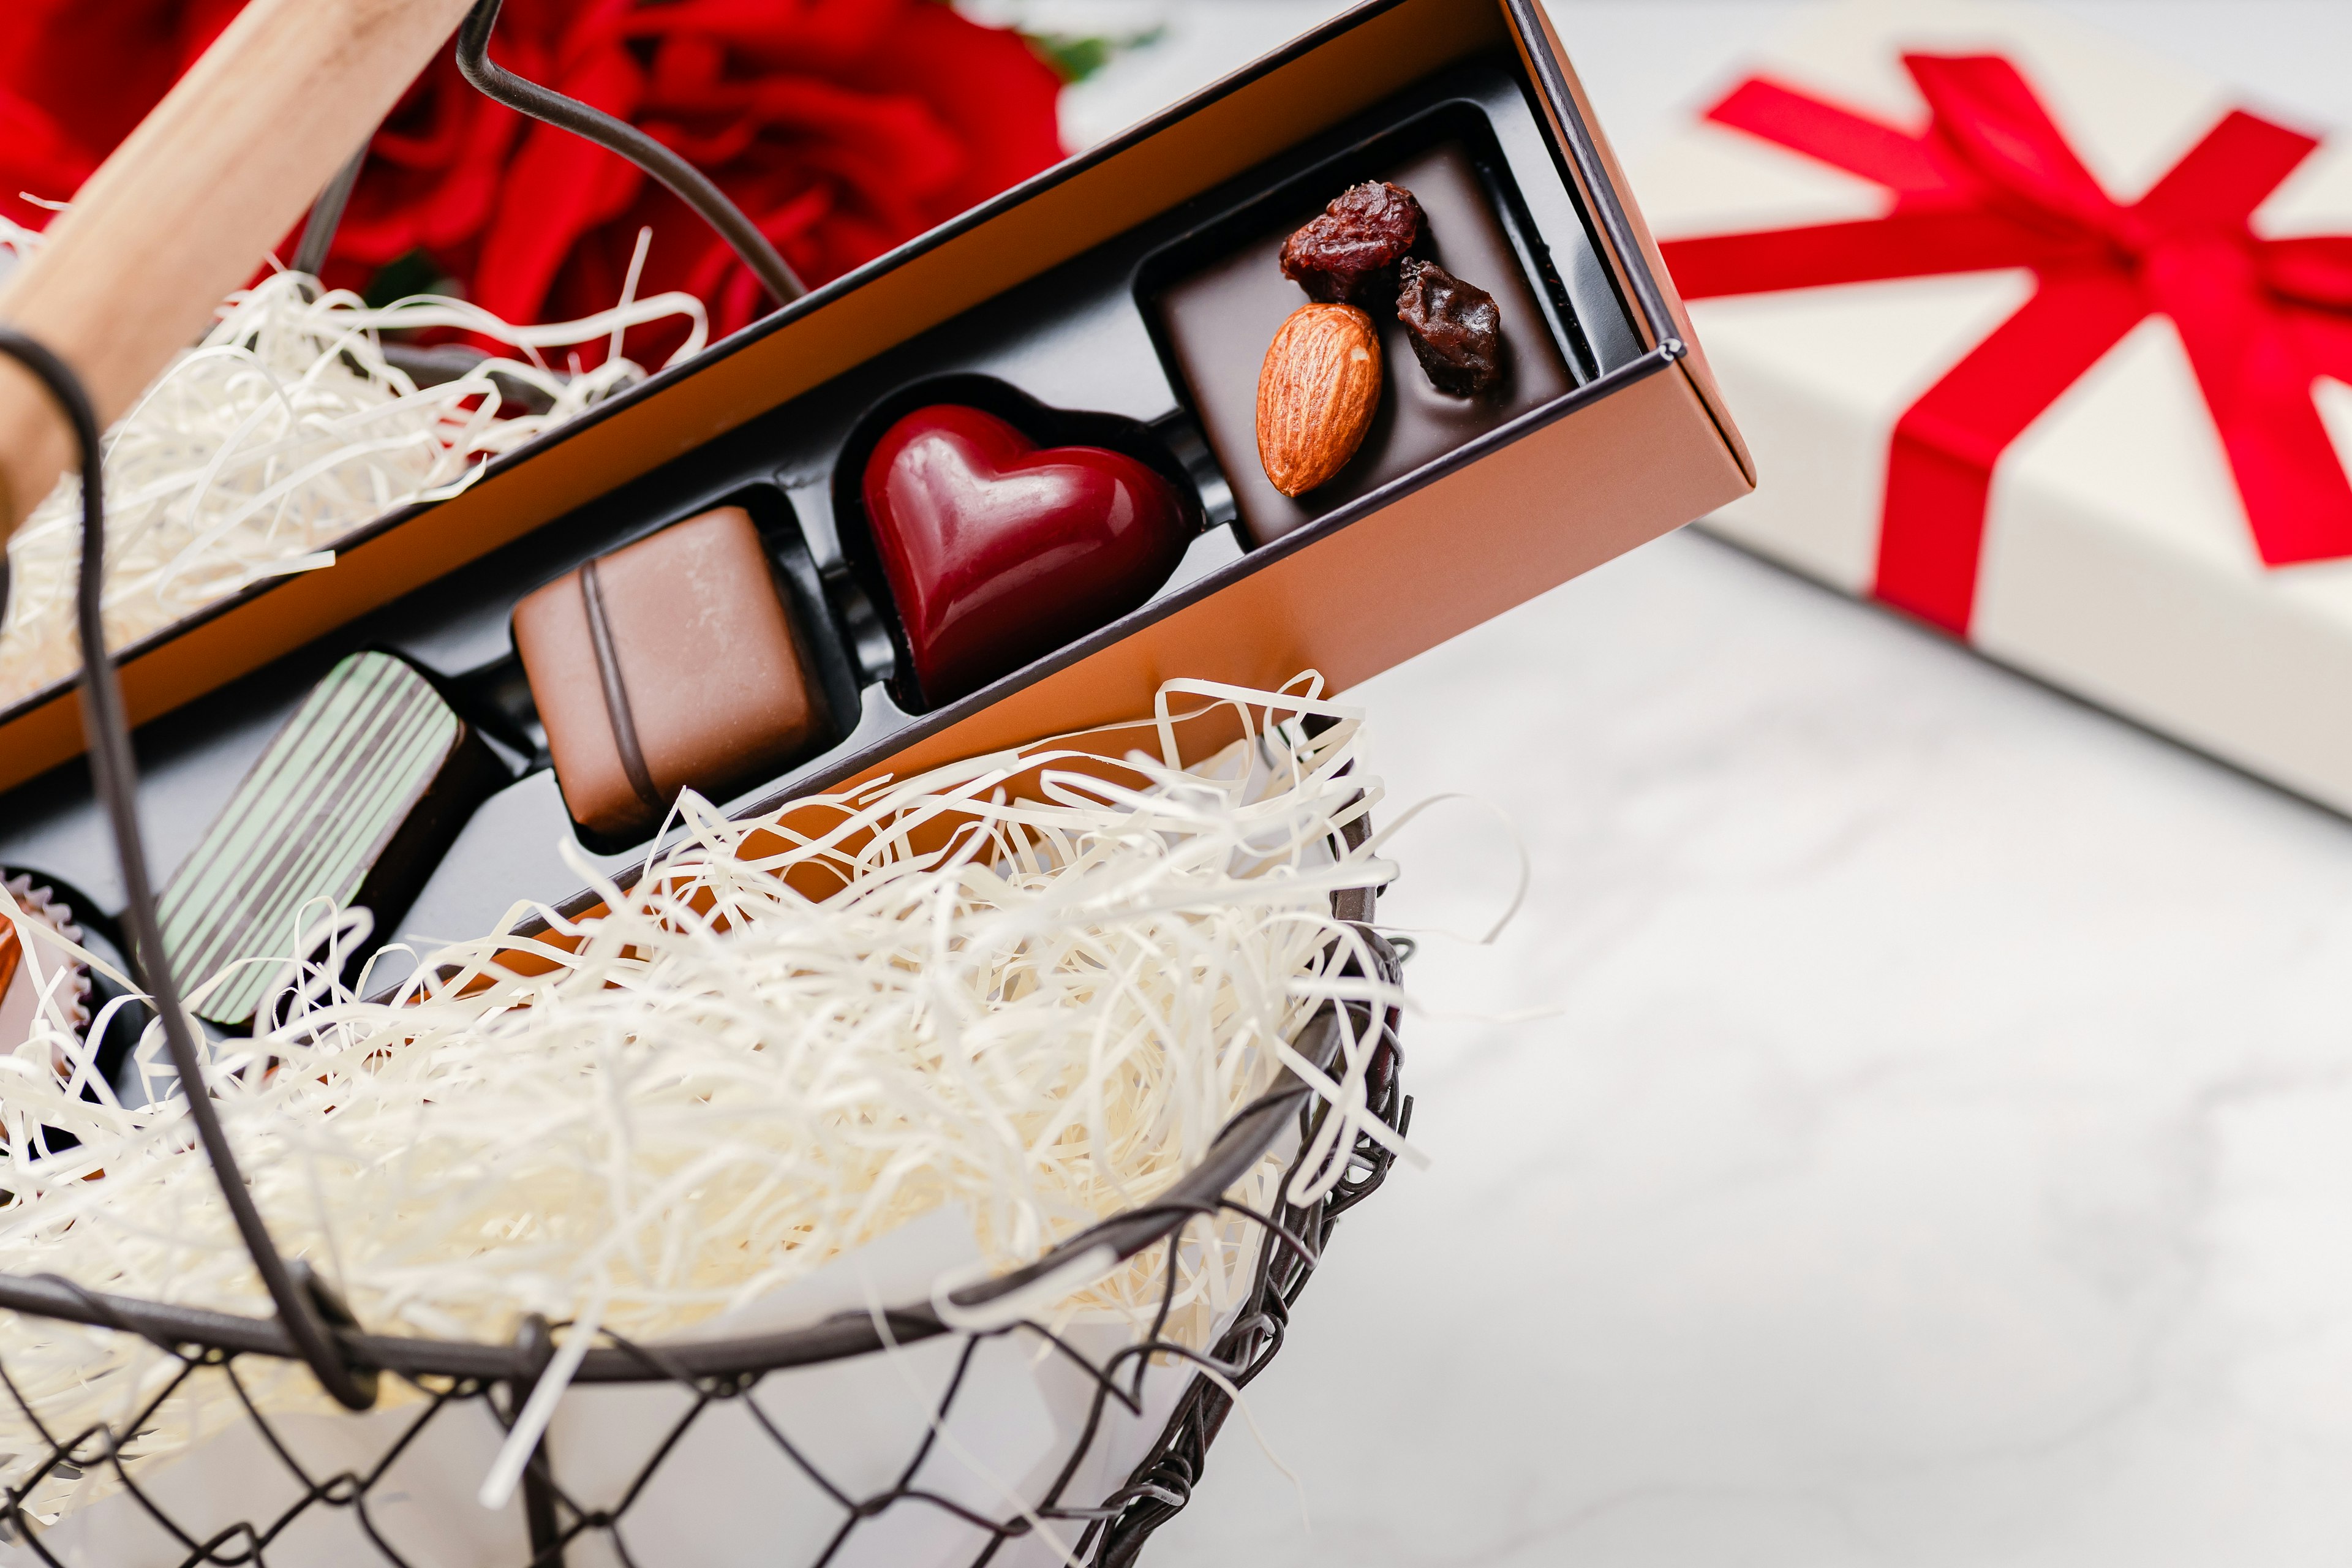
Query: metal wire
x,y
304,1305
1109,1532
494,81
327,215
690,185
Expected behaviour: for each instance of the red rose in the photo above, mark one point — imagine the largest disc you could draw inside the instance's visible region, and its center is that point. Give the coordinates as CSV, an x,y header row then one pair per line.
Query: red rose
x,y
76,75
843,127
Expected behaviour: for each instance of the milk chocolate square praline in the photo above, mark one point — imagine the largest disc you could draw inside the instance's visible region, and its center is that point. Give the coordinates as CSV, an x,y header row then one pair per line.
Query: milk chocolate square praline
x,y
672,664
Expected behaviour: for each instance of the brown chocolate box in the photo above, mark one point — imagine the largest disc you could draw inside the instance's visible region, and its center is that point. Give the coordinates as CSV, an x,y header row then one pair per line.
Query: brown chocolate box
x,y
1061,305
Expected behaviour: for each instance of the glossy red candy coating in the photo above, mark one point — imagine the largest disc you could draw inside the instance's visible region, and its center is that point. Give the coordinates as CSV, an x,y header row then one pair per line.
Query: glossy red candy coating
x,y
998,553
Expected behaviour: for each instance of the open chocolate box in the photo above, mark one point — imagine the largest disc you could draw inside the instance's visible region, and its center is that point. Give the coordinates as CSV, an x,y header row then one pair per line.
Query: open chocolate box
x,y
690,588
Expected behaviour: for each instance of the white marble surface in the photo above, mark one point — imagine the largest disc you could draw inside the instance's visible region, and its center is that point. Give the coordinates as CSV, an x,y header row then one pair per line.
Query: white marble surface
x,y
1943,1150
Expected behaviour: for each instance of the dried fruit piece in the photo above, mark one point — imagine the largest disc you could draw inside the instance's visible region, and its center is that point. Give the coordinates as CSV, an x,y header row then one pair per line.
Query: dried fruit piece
x,y
1456,329
1315,394
1344,253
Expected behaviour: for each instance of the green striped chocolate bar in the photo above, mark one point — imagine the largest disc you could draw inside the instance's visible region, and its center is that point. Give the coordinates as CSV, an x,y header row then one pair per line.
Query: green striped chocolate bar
x,y
353,800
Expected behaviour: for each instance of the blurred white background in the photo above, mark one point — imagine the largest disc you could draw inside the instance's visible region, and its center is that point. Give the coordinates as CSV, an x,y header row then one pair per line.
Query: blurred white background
x,y
1943,1150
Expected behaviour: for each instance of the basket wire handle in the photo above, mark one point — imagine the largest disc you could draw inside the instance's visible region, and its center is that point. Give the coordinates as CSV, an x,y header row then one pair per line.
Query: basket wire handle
x,y
690,185
326,214
306,1305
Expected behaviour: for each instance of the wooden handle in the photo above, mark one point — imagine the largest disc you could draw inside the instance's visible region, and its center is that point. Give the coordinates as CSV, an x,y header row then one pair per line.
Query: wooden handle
x,y
187,206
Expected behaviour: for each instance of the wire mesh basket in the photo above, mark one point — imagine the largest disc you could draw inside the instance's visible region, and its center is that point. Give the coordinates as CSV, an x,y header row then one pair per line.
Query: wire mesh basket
x,y
1095,1500
454,1380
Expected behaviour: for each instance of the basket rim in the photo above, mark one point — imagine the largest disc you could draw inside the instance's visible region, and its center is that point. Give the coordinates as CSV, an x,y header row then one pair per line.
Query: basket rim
x,y
1245,1139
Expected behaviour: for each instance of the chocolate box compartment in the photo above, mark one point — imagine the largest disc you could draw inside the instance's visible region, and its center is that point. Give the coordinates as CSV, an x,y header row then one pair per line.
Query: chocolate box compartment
x,y
1216,320
1171,449
1048,293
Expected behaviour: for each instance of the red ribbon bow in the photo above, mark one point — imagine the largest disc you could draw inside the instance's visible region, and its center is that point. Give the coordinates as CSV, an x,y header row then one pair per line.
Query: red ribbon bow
x,y
1992,184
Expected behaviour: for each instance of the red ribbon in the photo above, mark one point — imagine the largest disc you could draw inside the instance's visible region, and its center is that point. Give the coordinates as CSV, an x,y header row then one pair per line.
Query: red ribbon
x,y
1992,184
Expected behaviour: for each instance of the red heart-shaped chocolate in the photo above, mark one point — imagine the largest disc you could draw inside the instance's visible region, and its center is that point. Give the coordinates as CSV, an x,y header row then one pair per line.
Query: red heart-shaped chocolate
x,y
998,553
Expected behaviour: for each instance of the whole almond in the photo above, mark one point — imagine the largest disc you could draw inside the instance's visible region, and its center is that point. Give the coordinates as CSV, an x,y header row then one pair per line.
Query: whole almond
x,y
1315,394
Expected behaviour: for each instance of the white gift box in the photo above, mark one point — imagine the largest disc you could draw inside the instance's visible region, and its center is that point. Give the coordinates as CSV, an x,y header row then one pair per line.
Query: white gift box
x,y
2118,556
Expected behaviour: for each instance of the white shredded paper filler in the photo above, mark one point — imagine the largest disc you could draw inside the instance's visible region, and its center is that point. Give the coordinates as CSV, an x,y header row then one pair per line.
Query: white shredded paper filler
x,y
1029,985
263,448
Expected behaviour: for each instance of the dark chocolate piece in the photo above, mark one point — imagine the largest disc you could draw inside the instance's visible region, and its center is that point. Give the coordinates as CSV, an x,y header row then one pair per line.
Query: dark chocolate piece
x,y
353,800
1347,253
667,665
1455,330
1217,321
